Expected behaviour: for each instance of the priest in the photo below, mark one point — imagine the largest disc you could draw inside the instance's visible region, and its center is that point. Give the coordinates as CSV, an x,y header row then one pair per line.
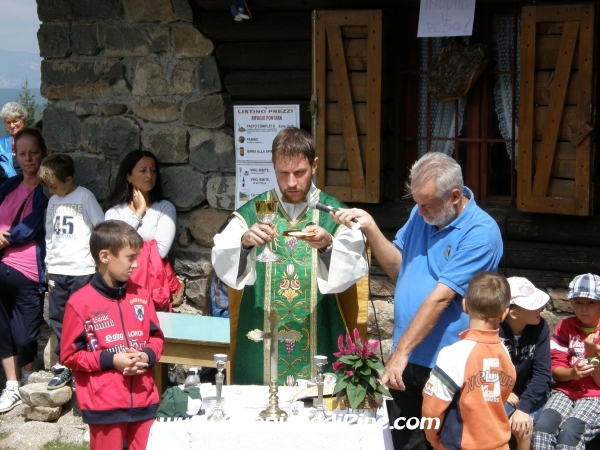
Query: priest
x,y
313,285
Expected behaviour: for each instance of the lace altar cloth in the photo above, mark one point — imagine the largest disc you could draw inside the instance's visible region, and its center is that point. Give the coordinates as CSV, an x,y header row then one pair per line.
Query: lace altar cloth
x,y
243,431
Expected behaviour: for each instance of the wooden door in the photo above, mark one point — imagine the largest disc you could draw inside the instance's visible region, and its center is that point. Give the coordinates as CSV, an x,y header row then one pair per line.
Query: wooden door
x,y
347,83
555,155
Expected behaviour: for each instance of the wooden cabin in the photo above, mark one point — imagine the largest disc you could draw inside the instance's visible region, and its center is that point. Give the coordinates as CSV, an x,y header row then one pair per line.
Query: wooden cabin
x,y
523,133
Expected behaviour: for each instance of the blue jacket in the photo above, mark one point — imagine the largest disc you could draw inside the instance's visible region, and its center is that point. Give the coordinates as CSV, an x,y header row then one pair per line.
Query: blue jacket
x,y
531,356
33,226
6,161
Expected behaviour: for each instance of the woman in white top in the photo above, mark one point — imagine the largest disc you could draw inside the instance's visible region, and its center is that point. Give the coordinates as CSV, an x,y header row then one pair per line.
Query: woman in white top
x,y
137,198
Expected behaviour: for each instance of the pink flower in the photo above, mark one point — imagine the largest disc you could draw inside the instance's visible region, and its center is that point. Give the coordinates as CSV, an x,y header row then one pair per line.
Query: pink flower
x,y
284,284
370,349
337,365
350,373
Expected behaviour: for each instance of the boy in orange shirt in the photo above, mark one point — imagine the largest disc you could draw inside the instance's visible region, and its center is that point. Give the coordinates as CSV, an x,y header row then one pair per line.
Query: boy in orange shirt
x,y
472,379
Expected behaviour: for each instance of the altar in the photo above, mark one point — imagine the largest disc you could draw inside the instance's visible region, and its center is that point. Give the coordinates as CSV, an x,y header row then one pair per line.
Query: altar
x,y
242,405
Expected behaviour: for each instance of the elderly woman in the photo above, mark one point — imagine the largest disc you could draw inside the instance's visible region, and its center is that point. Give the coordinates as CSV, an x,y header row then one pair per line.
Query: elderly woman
x,y
137,198
22,273
14,115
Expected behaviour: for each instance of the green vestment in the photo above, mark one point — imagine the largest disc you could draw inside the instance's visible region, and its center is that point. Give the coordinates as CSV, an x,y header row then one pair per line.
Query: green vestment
x,y
289,285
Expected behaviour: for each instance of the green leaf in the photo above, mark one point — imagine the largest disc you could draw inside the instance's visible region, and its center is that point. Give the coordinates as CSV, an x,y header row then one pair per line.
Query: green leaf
x,y
376,364
356,394
365,370
381,388
349,359
340,385
378,398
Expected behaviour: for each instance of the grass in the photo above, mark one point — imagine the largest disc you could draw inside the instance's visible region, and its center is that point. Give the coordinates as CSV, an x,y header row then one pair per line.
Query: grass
x,y
57,445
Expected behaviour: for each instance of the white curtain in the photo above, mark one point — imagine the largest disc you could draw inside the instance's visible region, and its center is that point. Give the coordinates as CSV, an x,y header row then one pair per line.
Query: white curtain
x,y
442,114
503,39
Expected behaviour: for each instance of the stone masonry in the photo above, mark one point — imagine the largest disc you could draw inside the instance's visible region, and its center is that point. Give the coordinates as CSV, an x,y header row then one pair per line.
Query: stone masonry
x,y
122,75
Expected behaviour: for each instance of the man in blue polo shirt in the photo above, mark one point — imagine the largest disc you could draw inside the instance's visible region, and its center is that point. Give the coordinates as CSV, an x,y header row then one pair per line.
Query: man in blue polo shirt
x,y
446,241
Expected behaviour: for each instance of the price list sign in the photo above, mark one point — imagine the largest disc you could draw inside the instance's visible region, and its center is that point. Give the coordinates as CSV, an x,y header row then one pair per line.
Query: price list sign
x,y
255,128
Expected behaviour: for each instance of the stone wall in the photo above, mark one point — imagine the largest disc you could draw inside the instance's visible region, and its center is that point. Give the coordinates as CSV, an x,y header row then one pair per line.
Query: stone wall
x,y
137,74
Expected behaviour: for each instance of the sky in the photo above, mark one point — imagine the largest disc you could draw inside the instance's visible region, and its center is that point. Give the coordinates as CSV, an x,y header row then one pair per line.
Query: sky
x,y
19,24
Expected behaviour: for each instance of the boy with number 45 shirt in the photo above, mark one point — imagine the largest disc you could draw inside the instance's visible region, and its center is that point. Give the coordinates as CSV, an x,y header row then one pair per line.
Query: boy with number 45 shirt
x,y
71,214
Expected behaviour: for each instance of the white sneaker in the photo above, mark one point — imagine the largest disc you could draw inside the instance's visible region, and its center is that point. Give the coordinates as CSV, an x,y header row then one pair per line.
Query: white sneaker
x,y
9,399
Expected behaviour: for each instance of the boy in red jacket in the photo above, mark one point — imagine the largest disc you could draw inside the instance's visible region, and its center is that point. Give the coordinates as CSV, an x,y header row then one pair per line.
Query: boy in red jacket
x,y
111,339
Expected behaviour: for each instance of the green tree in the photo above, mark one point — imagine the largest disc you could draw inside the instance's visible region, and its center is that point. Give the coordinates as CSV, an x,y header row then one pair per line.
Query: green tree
x,y
27,99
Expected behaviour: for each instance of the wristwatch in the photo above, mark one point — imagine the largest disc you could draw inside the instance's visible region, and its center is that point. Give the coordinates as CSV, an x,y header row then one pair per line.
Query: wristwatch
x,y
594,361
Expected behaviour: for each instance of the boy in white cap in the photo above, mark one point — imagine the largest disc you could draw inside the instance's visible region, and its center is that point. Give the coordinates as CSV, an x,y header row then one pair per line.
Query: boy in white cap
x,y
526,336
571,416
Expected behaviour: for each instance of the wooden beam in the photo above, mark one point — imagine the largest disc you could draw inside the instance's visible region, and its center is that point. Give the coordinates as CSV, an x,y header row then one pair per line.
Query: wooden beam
x,y
340,73
555,109
268,26
273,85
526,115
374,80
288,55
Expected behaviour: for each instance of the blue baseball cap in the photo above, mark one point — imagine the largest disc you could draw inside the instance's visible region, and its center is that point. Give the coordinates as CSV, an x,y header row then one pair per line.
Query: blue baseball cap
x,y
586,286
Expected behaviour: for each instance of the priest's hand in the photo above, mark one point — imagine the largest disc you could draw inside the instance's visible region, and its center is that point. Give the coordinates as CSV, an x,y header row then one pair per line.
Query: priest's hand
x,y
318,237
257,235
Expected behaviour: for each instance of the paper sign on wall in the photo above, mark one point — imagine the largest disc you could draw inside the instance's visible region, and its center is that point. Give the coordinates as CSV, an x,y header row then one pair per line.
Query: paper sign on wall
x,y
255,129
446,18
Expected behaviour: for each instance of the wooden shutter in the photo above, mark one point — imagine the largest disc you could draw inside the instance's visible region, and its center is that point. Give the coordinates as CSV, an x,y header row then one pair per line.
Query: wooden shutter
x,y
347,84
555,164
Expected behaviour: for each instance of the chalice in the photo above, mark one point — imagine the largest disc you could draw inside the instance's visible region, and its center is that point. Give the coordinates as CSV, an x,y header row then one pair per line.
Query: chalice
x,y
266,211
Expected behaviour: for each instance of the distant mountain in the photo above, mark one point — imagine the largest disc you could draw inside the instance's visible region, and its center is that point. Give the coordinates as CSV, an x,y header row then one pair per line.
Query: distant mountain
x,y
16,66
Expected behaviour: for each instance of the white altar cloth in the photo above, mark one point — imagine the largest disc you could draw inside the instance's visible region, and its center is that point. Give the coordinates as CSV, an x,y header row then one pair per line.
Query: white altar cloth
x,y
242,431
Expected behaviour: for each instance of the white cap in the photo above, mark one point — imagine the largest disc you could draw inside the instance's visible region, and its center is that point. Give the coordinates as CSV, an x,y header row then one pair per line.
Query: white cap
x,y
524,294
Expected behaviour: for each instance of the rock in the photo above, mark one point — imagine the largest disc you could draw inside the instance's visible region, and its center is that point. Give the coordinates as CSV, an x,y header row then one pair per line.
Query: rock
x,y
53,40
182,78
386,346
42,413
91,133
558,301
120,135
126,41
192,261
156,110
87,109
93,173
183,10
149,10
71,79
38,395
50,358
150,79
183,186
86,39
553,319
185,238
205,223
382,287
207,74
113,109
195,292
180,297
161,40
62,129
220,192
32,435
63,10
190,43
208,112
43,376
212,151
385,319
168,142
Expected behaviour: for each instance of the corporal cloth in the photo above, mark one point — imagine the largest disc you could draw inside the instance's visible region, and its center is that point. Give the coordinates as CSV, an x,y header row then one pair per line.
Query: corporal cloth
x,y
301,286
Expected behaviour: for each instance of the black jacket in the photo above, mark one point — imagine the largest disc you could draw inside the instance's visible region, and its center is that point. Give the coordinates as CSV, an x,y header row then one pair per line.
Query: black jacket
x,y
531,357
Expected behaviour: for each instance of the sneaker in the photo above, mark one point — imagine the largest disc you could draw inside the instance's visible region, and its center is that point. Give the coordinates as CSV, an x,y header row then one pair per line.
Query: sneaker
x,y
60,379
9,398
57,368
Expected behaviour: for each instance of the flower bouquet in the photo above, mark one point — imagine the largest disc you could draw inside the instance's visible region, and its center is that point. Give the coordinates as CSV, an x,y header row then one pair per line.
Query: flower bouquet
x,y
357,370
